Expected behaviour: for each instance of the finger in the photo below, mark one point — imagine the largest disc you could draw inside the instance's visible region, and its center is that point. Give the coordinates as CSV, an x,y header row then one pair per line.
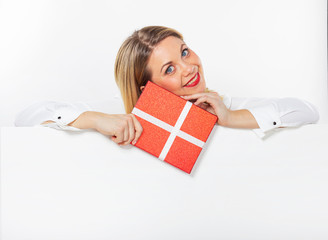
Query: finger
x,y
130,131
210,103
202,100
198,95
138,129
193,96
114,139
126,132
117,137
203,106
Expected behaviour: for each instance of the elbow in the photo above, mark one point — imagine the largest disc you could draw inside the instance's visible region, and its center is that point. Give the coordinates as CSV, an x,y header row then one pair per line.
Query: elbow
x,y
33,115
310,112
298,112
315,116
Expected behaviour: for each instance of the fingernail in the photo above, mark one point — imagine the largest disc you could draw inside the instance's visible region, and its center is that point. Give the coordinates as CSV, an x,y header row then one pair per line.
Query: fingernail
x,y
134,142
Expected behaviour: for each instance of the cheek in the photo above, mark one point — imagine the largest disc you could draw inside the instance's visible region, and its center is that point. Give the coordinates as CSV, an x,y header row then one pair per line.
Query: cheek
x,y
169,83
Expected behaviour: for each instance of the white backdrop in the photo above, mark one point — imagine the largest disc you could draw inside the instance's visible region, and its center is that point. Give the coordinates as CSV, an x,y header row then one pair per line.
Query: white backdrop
x,y
65,50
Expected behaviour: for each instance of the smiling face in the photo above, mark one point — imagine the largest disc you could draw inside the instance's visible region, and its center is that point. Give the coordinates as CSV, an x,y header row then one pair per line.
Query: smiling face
x,y
176,68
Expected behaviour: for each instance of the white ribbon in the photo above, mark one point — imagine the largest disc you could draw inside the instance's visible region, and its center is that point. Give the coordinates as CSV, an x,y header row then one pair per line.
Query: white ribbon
x,y
174,131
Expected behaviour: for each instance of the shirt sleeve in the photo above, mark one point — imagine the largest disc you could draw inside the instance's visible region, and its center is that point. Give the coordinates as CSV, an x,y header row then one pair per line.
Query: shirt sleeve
x,y
61,113
273,113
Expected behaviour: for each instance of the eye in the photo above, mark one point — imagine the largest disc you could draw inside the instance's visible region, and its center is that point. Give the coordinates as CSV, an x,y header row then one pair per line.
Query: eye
x,y
169,70
185,52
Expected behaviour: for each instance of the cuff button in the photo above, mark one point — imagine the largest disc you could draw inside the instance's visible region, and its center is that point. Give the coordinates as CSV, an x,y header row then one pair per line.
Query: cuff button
x,y
274,123
60,118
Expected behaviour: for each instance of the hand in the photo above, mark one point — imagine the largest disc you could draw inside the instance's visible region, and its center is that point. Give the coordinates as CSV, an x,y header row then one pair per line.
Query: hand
x,y
212,103
123,128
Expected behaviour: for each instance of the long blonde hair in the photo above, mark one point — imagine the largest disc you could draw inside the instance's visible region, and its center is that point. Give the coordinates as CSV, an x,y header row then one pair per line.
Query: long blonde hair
x,y
132,58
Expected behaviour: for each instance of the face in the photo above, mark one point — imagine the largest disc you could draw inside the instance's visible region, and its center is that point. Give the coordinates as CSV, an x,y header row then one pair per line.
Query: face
x,y
176,68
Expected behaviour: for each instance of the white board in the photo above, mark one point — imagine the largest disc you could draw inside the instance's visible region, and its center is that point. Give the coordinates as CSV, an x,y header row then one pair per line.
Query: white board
x,y
63,185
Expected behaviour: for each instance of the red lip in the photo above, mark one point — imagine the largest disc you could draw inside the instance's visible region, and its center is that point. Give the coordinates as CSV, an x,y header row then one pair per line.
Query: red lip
x,y
194,83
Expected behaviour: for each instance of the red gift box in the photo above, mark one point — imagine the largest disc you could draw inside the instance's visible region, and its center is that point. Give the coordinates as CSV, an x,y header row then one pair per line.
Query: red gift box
x,y
174,130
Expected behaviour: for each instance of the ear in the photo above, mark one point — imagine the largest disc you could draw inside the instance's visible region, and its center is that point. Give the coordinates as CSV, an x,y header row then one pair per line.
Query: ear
x,y
142,88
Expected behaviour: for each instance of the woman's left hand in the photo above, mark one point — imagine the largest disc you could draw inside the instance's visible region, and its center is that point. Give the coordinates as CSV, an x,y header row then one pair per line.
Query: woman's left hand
x,y
212,103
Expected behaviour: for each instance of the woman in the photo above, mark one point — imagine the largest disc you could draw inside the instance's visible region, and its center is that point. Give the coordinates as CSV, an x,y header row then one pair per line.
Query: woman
x,y
160,55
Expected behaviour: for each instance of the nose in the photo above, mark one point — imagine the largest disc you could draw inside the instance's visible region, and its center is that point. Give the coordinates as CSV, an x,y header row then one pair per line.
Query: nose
x,y
187,68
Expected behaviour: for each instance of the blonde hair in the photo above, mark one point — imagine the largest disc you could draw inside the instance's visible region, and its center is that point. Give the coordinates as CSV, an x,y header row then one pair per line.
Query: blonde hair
x,y
132,58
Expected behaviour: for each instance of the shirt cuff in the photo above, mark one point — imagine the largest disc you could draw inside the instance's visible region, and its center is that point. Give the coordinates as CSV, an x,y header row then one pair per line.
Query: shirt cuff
x,y
65,113
62,127
267,117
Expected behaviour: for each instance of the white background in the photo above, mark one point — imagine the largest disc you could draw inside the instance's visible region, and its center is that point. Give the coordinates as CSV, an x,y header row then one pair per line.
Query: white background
x,y
65,50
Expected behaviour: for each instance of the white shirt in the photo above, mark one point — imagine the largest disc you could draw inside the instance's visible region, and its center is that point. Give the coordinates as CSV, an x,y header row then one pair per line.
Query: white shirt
x,y
270,113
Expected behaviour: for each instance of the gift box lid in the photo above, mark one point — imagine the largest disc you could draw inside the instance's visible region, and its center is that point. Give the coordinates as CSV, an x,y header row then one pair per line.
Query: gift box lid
x,y
174,130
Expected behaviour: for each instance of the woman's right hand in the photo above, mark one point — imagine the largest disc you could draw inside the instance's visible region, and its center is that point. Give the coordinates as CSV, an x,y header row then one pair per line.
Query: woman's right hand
x,y
123,128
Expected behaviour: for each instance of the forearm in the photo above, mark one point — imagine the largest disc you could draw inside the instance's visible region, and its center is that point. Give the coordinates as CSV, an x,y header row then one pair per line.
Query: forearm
x,y
86,120
123,128
240,119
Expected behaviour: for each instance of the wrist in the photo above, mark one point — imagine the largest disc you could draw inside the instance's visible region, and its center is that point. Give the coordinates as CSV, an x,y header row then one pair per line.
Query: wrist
x,y
227,119
240,119
86,120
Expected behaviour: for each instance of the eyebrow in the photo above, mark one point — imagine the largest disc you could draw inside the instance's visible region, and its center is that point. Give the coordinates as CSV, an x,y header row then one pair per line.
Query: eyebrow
x,y
171,61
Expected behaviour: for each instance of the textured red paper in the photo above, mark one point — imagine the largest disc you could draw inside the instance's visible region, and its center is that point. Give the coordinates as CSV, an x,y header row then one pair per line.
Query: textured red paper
x,y
183,154
153,138
167,107
198,123
161,104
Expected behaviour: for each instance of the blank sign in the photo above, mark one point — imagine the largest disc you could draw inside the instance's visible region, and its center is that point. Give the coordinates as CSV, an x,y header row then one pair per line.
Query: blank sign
x,y
59,185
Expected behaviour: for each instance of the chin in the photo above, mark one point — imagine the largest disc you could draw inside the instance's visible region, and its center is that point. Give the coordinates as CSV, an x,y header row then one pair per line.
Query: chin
x,y
202,88
198,90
